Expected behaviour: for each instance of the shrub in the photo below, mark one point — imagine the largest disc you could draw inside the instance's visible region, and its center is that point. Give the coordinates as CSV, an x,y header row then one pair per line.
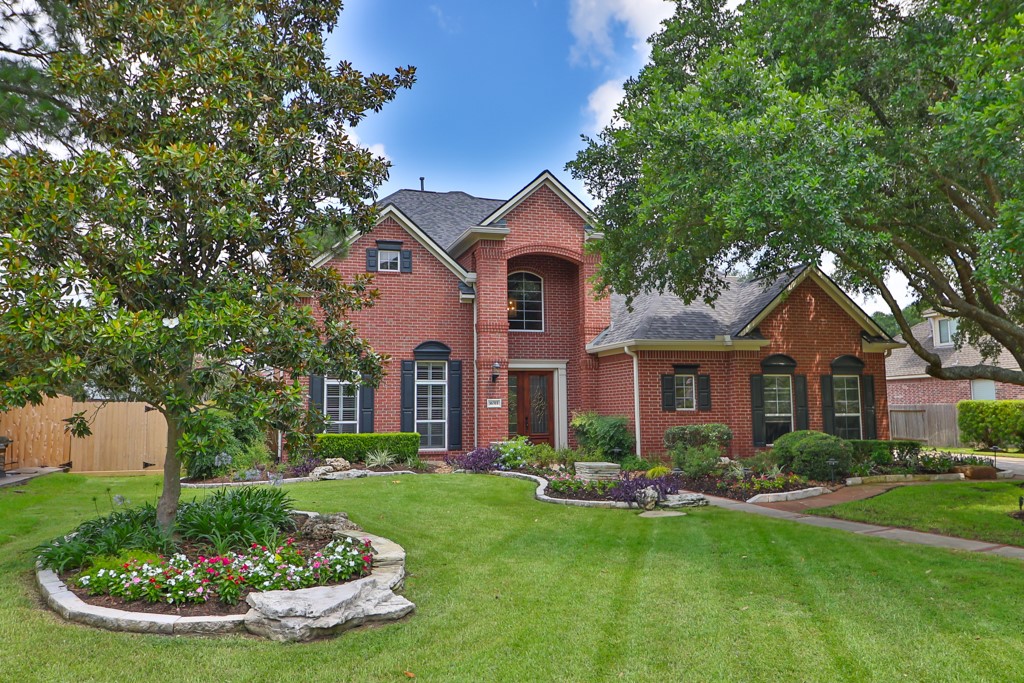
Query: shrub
x,y
477,460
354,447
813,450
696,461
635,464
762,463
543,455
222,442
573,486
566,455
991,423
608,437
784,449
882,454
657,471
255,456
713,434
513,453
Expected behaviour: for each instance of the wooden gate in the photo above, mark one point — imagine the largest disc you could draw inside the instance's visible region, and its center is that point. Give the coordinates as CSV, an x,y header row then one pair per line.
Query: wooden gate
x,y
124,436
934,424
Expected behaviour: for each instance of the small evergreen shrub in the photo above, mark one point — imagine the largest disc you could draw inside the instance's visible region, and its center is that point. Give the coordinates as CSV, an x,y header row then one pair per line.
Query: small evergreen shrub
x,y
784,449
882,454
991,423
713,434
812,453
543,455
608,437
658,471
696,461
635,464
355,447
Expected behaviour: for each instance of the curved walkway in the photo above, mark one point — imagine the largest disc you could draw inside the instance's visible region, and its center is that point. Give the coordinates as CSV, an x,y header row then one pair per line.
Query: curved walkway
x,y
791,510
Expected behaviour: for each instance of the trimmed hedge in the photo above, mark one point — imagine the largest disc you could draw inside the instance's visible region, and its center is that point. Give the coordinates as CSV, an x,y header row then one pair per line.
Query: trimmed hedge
x,y
807,453
991,423
354,447
696,436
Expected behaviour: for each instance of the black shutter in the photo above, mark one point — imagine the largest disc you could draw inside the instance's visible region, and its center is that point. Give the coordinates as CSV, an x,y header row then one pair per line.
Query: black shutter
x,y
757,408
316,393
371,260
800,399
828,406
454,405
668,392
365,409
703,392
867,383
408,421
405,262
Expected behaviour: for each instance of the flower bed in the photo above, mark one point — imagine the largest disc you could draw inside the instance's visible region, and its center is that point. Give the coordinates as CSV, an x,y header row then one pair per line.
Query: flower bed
x,y
743,488
228,578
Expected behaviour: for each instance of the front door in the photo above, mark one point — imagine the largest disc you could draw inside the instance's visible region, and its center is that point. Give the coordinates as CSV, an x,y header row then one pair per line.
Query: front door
x,y
531,405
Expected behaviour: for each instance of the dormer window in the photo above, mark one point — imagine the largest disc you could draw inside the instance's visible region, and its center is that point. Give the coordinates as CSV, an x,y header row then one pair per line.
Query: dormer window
x,y
946,331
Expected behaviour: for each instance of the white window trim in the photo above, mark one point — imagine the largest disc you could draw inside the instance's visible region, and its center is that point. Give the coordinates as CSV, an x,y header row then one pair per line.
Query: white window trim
x,y
936,332
444,411
792,406
692,376
543,286
333,382
860,401
380,261
975,383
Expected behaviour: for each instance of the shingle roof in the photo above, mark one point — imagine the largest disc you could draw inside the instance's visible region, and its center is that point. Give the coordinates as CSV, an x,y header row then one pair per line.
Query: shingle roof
x,y
904,362
667,317
444,216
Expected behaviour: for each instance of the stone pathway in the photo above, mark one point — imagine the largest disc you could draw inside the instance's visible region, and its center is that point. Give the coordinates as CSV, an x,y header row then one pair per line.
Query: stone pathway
x,y
780,511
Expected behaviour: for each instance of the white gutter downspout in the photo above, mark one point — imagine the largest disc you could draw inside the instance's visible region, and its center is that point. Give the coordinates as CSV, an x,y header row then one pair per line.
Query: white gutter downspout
x,y
476,381
636,395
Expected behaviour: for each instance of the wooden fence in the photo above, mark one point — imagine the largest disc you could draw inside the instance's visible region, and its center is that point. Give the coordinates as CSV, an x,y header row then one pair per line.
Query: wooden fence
x,y
124,436
935,425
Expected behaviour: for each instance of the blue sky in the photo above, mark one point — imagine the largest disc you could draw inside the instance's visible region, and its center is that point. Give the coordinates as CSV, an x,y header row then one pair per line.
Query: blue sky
x,y
504,89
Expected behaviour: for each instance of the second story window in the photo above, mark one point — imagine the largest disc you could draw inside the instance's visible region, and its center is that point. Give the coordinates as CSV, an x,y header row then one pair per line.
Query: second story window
x,y
388,260
947,330
525,302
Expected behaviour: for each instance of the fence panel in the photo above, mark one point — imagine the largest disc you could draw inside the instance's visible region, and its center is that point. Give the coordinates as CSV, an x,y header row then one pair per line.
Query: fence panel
x,y
934,424
124,436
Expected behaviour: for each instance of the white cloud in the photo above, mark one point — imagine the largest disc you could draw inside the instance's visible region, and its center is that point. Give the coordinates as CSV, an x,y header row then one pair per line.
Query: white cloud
x,y
377,148
601,104
444,22
591,22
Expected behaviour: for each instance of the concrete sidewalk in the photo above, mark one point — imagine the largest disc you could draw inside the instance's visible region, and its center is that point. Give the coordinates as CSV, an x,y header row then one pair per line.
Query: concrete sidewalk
x,y
892,533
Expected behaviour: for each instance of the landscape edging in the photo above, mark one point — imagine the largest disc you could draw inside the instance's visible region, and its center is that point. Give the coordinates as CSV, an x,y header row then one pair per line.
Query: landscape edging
x,y
783,496
542,485
388,574
896,478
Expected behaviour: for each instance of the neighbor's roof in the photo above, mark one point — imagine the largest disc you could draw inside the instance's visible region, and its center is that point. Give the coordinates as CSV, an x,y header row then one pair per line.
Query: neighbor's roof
x,y
905,363
444,216
665,316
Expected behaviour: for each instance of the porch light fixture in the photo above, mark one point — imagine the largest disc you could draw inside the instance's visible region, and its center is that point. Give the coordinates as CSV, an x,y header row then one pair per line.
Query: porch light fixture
x,y
494,371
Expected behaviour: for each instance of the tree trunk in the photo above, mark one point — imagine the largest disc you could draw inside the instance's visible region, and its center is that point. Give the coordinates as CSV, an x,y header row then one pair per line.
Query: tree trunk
x,y
167,507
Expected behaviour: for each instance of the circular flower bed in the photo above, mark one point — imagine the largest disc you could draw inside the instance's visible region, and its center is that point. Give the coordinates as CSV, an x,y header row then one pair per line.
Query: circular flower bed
x,y
180,580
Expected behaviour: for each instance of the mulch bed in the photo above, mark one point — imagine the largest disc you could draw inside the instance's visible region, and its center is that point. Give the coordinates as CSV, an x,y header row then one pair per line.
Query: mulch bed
x,y
211,608
710,486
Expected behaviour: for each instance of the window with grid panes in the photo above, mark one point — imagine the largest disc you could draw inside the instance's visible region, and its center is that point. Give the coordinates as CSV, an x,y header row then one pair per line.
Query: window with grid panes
x,y
341,407
846,395
432,403
778,406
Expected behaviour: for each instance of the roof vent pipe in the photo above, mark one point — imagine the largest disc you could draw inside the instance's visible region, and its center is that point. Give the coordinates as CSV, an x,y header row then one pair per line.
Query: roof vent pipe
x,y
421,183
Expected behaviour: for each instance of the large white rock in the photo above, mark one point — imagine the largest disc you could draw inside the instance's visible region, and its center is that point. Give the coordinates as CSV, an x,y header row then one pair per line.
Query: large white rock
x,y
684,500
339,464
317,612
321,472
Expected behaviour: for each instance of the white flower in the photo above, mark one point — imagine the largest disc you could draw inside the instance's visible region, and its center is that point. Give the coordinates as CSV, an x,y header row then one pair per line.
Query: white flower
x,y
170,323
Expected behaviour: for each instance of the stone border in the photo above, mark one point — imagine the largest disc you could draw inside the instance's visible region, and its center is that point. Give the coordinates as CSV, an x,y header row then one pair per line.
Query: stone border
x,y
789,495
542,485
897,478
388,573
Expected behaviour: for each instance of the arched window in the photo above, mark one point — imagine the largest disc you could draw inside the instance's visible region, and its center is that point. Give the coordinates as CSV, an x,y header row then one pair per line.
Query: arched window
x,y
525,302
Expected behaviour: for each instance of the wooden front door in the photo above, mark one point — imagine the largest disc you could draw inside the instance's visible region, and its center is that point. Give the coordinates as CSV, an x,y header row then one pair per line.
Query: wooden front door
x,y
531,405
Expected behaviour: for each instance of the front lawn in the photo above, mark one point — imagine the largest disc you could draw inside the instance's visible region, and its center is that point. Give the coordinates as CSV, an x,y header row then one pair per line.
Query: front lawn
x,y
966,509
509,589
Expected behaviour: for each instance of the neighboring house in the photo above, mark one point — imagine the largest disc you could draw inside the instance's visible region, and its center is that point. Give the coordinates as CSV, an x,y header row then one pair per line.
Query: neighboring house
x,y
489,316
925,407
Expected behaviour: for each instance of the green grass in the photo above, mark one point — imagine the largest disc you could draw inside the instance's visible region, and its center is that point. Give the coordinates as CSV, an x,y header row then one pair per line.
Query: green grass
x,y
977,510
963,450
509,589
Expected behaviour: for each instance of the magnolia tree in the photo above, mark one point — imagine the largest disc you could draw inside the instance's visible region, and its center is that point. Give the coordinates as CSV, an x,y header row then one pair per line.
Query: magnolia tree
x,y
167,260
887,134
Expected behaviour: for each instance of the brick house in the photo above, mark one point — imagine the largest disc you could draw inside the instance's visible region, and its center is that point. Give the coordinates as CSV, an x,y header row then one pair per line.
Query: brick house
x,y
493,329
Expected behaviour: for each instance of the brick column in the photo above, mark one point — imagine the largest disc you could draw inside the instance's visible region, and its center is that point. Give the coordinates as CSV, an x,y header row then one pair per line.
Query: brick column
x,y
595,316
492,339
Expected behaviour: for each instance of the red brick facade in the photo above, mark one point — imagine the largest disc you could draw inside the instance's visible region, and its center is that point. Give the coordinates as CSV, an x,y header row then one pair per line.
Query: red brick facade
x,y
546,237
929,390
